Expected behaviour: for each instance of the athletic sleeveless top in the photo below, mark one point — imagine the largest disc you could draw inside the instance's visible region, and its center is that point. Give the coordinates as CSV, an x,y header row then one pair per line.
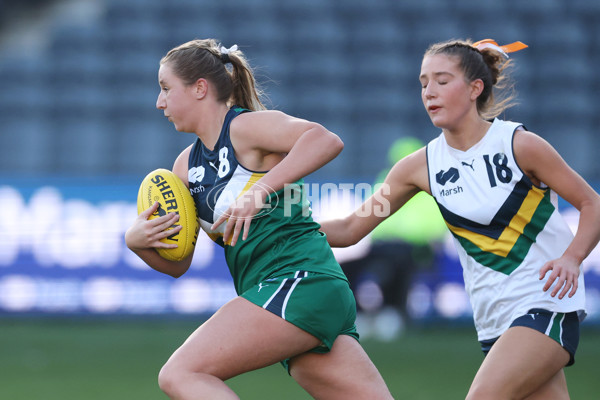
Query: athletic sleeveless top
x,y
283,237
505,228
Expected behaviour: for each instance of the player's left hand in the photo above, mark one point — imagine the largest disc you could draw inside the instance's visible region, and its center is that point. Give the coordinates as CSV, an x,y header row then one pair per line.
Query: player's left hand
x,y
565,272
239,215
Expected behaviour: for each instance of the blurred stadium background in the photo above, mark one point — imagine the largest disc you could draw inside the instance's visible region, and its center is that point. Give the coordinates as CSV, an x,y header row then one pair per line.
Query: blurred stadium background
x,y
81,318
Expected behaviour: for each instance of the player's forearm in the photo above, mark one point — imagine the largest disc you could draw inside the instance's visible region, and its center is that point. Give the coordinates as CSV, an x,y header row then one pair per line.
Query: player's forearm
x,y
315,148
156,262
338,232
588,231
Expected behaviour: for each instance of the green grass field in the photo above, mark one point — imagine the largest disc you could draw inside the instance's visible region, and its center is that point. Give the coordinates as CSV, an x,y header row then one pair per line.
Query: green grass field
x,y
87,359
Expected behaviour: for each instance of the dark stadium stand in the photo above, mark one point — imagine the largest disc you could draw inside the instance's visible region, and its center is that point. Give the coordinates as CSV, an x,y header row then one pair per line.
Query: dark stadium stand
x,y
85,102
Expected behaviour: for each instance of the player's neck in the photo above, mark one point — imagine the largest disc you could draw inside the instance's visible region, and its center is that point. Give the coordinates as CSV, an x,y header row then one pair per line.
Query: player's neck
x,y
467,135
211,123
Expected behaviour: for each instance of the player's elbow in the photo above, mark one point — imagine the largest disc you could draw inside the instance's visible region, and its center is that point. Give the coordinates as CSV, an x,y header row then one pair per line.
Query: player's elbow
x,y
178,268
327,140
341,234
176,274
336,144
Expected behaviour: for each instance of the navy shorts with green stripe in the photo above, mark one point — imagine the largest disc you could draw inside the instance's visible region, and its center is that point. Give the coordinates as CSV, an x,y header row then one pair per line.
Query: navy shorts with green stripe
x,y
562,327
319,304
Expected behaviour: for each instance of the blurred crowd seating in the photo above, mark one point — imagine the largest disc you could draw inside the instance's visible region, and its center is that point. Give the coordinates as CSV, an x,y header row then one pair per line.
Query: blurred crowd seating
x,y
84,102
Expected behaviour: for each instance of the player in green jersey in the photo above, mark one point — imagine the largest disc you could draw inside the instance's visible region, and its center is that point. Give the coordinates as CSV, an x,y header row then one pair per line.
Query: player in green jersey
x,y
294,304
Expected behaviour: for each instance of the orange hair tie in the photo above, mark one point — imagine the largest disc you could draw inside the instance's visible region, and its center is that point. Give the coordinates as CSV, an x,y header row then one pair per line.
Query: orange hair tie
x,y
504,50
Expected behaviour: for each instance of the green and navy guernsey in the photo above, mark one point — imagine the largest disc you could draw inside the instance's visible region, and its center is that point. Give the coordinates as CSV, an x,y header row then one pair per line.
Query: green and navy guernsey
x,y
283,238
505,228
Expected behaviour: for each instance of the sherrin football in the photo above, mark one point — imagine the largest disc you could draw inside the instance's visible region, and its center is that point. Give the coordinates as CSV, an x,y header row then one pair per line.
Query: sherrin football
x,y
173,196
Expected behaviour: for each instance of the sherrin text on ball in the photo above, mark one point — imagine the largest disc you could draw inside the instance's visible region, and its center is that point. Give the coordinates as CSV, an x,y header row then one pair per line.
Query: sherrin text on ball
x,y
166,188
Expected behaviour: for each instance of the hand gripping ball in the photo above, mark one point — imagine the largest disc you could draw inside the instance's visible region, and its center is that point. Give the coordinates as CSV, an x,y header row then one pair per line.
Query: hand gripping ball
x,y
173,196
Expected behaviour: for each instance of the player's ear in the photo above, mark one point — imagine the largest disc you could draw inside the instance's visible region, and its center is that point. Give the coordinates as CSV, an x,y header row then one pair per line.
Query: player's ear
x,y
476,88
200,88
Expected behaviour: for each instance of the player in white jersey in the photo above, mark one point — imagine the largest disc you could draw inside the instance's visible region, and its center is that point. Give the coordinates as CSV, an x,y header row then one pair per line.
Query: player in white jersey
x,y
496,185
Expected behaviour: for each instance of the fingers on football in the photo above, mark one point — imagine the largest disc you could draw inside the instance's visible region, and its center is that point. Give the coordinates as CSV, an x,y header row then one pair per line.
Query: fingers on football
x,y
149,211
164,222
164,227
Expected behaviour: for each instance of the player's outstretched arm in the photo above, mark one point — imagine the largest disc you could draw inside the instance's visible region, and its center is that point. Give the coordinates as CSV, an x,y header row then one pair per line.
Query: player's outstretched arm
x,y
405,179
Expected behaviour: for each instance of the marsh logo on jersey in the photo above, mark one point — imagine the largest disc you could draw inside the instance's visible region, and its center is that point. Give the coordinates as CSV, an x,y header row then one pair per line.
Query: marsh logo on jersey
x,y
443,177
451,176
451,191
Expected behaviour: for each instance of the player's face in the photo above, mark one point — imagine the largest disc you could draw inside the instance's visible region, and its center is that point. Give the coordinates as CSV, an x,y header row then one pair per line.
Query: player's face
x,y
175,99
444,91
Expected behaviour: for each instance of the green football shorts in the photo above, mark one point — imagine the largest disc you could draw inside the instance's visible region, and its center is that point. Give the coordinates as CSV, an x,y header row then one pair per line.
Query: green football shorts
x,y
319,304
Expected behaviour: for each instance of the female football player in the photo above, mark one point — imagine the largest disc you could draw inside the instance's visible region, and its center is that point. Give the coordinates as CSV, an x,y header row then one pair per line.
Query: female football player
x,y
245,172
495,184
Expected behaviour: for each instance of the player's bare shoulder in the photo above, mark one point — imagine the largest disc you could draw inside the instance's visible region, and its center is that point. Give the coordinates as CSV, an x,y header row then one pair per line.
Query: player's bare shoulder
x,y
531,151
180,166
248,123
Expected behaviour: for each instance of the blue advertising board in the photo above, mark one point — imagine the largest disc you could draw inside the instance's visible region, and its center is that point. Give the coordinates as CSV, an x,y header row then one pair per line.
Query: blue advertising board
x,y
62,251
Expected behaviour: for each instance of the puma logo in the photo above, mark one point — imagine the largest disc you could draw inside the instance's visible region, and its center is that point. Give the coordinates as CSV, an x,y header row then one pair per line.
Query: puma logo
x,y
260,286
469,165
